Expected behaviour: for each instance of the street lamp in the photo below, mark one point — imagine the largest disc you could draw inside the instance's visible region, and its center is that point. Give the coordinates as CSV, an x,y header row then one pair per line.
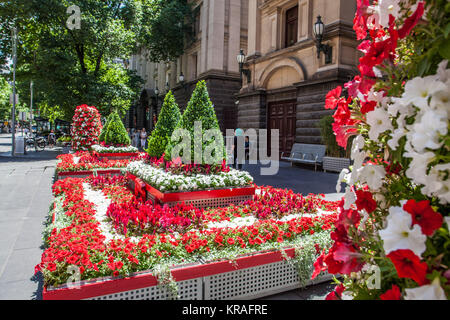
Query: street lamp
x,y
319,29
241,60
181,78
167,87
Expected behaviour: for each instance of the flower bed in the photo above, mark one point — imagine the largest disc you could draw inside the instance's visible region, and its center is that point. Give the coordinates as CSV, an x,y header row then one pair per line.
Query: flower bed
x,y
86,162
165,181
95,231
115,153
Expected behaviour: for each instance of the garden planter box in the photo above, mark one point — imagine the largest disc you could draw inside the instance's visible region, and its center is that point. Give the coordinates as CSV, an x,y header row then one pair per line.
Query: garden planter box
x,y
200,199
84,174
335,164
116,156
248,277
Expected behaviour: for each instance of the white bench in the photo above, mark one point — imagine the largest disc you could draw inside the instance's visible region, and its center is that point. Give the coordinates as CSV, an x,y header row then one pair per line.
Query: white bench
x,y
305,153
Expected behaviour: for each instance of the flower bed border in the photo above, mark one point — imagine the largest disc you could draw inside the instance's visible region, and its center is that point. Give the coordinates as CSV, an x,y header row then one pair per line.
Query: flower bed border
x,y
108,285
143,188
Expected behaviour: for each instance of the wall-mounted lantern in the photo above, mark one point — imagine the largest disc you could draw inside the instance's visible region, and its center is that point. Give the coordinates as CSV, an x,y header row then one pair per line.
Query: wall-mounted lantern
x,y
319,29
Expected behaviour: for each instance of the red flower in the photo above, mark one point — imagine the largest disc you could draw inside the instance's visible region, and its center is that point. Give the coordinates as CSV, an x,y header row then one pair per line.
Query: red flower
x,y
392,294
423,215
230,240
343,258
319,266
337,293
332,98
368,106
364,200
408,265
411,21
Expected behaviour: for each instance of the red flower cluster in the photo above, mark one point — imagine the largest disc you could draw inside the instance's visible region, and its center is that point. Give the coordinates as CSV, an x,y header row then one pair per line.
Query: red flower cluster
x,y
87,162
86,127
177,167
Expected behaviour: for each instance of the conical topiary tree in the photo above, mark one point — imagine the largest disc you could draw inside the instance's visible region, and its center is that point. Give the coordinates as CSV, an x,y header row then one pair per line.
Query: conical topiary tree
x,y
101,137
201,109
167,121
115,133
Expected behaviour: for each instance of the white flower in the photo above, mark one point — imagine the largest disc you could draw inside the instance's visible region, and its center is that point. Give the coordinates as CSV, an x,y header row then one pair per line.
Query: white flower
x,y
399,235
384,8
419,89
431,291
373,175
425,132
447,220
379,122
395,137
442,72
418,167
349,198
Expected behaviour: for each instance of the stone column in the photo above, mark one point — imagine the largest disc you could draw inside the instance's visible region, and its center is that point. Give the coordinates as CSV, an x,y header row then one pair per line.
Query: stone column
x,y
254,28
204,18
216,35
234,39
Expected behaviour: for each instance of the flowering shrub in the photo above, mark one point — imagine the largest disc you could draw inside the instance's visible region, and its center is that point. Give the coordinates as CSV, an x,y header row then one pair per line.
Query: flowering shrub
x,y
168,182
86,127
394,218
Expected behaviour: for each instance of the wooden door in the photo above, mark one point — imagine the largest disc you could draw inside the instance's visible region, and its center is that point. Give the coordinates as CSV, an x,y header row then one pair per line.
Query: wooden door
x,y
282,116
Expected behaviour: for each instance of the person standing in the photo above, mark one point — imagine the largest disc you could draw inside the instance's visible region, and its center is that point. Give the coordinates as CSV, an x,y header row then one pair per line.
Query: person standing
x,y
143,138
238,162
137,133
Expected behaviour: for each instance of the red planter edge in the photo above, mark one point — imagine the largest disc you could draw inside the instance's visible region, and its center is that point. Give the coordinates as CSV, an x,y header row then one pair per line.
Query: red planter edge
x,y
102,286
119,154
195,195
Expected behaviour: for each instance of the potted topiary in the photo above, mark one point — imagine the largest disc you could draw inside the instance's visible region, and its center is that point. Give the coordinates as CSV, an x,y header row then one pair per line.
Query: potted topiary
x,y
336,157
114,139
167,120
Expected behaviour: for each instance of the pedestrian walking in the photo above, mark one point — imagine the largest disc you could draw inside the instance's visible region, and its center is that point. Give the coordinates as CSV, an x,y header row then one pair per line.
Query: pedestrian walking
x,y
137,133
143,138
238,157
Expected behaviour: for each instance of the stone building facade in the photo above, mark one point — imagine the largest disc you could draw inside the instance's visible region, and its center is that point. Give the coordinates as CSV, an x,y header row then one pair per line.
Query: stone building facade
x,y
288,82
220,32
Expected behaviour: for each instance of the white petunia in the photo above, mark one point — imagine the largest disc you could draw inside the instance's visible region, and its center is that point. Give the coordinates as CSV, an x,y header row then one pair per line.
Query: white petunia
x,y
431,291
400,235
418,167
395,137
373,175
418,90
379,122
425,132
349,198
384,8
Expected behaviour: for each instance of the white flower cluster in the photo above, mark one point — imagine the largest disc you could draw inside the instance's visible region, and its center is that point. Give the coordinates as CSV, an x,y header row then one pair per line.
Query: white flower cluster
x,y
422,115
166,181
112,149
371,174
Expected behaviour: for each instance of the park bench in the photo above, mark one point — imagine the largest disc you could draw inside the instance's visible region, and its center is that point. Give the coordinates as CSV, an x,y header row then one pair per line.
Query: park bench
x,y
305,153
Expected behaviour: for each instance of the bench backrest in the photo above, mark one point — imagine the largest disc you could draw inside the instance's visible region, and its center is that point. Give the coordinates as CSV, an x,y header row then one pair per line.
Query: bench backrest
x,y
308,150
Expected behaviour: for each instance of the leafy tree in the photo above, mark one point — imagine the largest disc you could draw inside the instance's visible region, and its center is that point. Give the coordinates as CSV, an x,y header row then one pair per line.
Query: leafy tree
x,y
167,121
71,67
201,109
168,28
5,106
115,133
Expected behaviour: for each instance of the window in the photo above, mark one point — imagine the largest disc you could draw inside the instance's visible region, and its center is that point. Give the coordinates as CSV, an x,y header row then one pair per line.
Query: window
x,y
291,26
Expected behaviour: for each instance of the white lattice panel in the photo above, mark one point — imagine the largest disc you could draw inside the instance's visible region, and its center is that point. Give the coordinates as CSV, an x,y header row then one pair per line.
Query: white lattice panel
x,y
188,290
255,282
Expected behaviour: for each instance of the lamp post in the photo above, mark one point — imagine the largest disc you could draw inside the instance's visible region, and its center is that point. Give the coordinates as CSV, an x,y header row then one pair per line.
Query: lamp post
x,y
31,108
167,87
14,40
319,29
241,60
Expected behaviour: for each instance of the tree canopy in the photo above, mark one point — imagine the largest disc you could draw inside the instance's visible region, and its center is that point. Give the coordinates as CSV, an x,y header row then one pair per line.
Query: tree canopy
x,y
71,66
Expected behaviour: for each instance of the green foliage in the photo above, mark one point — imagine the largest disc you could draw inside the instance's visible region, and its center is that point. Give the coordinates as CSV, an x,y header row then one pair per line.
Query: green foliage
x,y
115,133
73,67
5,106
168,119
329,138
167,27
199,108
102,135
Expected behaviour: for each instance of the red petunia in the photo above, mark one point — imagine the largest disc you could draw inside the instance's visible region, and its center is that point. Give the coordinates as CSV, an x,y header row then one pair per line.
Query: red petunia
x,y
337,293
411,21
364,200
408,265
423,215
332,98
392,294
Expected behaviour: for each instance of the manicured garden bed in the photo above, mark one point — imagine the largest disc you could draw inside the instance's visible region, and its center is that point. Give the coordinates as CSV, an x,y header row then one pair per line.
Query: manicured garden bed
x,y
120,243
